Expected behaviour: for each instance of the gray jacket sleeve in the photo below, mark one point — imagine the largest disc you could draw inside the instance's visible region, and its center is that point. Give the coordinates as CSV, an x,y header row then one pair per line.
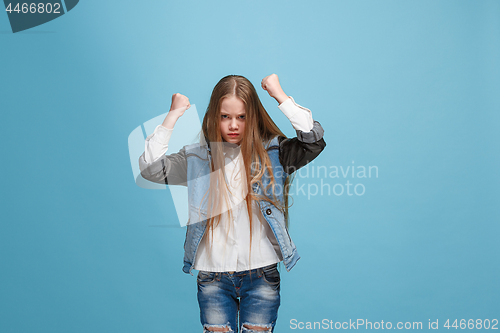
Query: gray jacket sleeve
x,y
167,169
297,152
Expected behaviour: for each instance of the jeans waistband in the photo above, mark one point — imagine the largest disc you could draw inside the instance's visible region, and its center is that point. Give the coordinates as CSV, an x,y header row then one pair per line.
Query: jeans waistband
x,y
252,271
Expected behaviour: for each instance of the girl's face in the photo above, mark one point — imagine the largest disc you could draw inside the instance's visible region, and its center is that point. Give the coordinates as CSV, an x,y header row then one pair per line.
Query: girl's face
x,y
232,122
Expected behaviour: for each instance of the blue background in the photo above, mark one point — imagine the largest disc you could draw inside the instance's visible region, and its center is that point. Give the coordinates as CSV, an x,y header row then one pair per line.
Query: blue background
x,y
408,86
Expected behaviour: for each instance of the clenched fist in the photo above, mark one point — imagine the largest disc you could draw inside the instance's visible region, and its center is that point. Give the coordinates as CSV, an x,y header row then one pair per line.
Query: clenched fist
x,y
271,84
180,103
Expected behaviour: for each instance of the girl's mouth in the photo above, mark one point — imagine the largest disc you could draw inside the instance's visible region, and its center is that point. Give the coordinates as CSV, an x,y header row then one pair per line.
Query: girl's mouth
x,y
233,135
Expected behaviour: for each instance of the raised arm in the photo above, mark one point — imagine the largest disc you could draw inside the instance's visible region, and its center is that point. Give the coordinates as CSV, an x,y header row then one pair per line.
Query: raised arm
x,y
180,104
157,167
309,143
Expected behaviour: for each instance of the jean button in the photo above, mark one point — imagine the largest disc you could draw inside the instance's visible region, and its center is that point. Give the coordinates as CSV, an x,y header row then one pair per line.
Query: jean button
x,y
268,211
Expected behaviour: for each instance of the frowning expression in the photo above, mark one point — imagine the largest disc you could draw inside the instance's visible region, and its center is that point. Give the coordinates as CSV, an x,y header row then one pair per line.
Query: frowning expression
x,y
232,121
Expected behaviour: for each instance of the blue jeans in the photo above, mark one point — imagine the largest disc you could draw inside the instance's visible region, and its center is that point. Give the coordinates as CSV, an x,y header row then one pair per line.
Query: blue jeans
x,y
254,294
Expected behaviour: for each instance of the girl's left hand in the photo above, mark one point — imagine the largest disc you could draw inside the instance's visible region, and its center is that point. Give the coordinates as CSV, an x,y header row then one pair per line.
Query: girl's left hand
x,y
271,84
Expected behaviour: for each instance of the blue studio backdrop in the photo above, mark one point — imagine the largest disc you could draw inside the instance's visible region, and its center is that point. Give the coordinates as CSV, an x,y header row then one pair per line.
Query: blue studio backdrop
x,y
397,221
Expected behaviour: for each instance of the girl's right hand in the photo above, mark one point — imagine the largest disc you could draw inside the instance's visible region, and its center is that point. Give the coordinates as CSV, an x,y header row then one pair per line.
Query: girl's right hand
x,y
180,103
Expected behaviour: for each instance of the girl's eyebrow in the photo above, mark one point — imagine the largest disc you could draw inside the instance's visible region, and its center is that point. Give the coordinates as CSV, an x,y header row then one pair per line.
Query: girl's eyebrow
x,y
226,113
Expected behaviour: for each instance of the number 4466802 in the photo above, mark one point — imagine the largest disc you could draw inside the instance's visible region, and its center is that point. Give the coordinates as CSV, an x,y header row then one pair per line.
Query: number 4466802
x,y
472,324
33,8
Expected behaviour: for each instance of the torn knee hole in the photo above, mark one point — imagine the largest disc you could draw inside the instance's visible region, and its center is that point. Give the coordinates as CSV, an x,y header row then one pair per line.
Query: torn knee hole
x,y
264,328
217,328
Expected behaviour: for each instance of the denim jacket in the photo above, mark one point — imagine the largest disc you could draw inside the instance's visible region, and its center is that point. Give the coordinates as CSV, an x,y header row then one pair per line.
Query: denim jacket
x,y
191,167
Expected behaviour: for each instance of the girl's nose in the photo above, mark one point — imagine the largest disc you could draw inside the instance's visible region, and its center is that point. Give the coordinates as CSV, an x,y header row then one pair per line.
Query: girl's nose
x,y
233,125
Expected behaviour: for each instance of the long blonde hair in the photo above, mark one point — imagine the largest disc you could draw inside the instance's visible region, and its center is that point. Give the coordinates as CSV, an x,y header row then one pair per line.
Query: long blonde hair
x,y
259,129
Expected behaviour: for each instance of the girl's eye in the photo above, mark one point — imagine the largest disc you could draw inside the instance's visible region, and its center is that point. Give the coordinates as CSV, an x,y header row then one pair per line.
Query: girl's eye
x,y
225,116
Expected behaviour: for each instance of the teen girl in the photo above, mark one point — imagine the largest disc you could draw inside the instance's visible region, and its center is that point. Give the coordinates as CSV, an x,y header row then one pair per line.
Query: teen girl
x,y
237,178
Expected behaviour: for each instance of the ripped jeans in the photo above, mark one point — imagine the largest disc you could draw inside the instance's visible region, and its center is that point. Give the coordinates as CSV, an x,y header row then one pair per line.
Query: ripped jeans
x,y
253,295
